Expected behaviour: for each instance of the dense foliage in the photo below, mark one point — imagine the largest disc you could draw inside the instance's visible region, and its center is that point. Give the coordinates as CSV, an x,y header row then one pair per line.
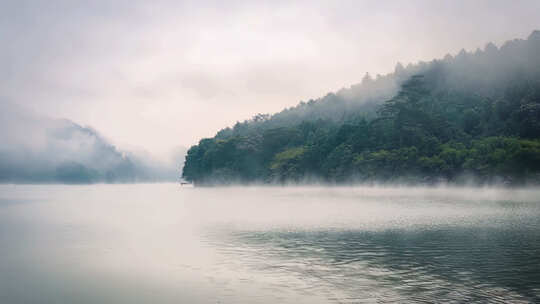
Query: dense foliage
x,y
476,115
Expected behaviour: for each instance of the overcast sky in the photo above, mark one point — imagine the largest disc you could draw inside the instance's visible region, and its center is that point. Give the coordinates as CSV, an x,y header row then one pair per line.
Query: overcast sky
x,y
155,75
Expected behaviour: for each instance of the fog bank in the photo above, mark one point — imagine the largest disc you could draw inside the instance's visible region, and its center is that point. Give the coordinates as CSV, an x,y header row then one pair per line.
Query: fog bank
x,y
38,149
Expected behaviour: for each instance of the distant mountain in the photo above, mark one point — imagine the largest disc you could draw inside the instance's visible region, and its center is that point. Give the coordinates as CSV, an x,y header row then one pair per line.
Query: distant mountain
x,y
36,149
473,116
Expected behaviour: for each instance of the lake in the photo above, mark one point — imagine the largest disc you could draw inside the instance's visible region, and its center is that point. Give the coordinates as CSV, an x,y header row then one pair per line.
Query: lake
x,y
162,243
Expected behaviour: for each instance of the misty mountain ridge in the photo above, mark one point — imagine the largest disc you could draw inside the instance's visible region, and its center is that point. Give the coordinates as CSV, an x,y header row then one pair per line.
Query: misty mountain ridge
x,y
43,150
423,122
371,92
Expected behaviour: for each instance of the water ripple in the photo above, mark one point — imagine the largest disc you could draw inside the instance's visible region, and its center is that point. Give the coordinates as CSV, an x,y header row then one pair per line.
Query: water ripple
x,y
452,264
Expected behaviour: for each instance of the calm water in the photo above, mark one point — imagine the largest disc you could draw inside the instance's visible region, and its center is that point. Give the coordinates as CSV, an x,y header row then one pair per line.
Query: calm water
x,y
167,244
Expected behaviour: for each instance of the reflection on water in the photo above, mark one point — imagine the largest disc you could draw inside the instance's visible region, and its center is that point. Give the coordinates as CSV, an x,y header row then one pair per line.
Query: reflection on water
x,y
165,244
442,265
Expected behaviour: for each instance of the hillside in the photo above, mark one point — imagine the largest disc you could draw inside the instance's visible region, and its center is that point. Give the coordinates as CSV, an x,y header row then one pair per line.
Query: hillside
x,y
474,115
38,149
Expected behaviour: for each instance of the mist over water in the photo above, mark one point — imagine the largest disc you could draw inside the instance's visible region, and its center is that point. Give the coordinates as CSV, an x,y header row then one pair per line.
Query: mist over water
x,y
164,243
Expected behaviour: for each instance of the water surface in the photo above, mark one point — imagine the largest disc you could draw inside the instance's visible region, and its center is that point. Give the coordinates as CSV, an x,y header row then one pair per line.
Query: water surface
x,y
169,244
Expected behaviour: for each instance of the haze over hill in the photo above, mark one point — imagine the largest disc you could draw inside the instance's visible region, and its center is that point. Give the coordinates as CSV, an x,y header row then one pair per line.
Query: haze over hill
x,y
153,77
37,149
475,115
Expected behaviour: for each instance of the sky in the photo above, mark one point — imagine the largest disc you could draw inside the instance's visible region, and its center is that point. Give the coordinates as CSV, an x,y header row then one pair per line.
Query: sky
x,y
155,76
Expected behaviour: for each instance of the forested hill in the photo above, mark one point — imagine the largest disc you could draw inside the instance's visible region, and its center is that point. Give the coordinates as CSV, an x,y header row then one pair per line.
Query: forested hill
x,y
474,115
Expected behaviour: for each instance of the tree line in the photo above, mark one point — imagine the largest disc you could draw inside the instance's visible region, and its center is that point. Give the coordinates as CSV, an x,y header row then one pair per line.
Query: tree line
x,y
472,116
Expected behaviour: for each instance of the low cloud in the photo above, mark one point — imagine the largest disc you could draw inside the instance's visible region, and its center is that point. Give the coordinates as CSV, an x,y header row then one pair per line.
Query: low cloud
x,y
37,149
